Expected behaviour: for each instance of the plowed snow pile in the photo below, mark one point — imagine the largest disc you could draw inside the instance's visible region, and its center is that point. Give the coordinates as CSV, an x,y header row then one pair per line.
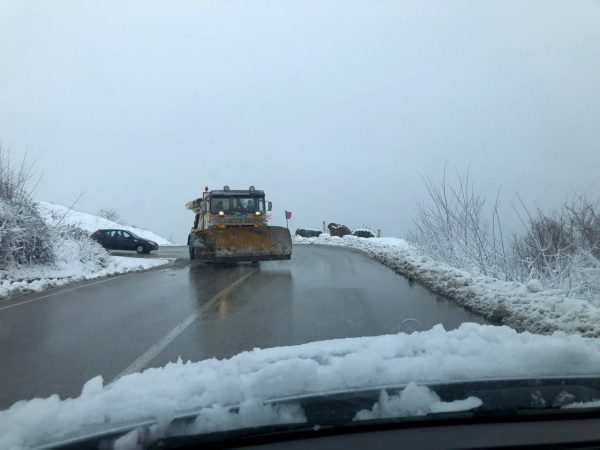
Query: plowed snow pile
x,y
67,269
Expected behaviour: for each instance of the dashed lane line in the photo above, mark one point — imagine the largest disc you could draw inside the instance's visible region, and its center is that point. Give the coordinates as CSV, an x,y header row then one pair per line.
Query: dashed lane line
x,y
145,358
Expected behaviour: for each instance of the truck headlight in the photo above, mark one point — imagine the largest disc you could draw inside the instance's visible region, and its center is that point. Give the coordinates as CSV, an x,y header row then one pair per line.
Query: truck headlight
x,y
221,213
257,213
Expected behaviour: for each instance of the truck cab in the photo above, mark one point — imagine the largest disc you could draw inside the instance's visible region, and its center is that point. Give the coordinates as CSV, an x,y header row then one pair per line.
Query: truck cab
x,y
222,208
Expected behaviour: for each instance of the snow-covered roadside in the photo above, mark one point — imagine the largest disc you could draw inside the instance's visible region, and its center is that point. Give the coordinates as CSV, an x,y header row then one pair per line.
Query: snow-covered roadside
x,y
471,352
75,256
37,278
523,307
53,213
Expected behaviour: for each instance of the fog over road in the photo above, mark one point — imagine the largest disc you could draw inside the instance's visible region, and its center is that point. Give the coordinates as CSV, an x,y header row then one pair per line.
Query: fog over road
x,y
54,341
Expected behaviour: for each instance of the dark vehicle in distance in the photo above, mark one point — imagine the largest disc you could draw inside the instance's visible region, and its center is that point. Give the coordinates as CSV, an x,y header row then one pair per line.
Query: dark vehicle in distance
x,y
123,240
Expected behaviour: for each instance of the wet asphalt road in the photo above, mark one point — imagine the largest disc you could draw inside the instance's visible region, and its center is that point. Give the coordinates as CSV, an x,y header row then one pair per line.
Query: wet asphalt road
x,y
54,341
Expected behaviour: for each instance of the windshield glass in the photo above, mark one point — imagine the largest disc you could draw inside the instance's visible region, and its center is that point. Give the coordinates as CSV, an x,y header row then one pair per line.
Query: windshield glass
x,y
293,199
237,204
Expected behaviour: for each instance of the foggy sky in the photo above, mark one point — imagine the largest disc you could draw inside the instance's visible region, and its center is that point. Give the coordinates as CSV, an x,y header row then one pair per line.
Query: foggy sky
x,y
334,108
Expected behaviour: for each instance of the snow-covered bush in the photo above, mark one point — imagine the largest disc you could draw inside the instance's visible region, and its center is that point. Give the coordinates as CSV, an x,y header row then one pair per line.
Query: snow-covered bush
x,y
24,236
82,251
363,233
308,232
27,239
72,243
71,231
451,228
561,249
336,229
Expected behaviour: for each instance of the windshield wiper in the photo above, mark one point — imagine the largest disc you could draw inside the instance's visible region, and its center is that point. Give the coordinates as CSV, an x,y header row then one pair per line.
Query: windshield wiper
x,y
337,412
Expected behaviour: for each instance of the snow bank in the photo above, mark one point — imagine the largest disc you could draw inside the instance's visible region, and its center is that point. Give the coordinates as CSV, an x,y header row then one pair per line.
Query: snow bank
x,y
36,278
90,223
76,256
471,352
523,307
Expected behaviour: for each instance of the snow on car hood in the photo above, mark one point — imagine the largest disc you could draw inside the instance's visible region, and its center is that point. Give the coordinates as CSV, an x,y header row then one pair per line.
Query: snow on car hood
x,y
472,352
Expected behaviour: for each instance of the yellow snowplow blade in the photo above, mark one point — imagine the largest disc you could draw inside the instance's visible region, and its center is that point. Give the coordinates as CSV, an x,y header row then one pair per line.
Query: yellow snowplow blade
x,y
241,244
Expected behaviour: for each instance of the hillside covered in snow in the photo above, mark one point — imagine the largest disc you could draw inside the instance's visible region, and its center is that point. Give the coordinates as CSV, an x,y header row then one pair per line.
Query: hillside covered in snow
x,y
53,213
71,255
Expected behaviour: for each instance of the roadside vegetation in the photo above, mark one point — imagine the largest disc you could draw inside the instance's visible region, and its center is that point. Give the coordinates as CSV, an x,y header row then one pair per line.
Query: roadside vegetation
x,y
109,214
24,236
31,247
556,250
539,272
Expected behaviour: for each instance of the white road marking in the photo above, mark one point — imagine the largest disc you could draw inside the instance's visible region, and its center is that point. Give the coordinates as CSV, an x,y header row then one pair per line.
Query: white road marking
x,y
145,358
86,284
61,291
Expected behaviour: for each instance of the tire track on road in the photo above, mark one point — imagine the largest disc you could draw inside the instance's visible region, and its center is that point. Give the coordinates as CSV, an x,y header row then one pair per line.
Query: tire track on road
x,y
145,358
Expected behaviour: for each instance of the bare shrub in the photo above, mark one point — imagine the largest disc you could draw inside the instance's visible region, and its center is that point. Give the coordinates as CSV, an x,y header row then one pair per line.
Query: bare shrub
x,y
109,214
547,242
452,228
24,236
561,249
90,252
584,217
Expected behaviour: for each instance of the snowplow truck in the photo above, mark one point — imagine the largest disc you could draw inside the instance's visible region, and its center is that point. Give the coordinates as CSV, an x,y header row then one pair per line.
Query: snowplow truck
x,y
232,225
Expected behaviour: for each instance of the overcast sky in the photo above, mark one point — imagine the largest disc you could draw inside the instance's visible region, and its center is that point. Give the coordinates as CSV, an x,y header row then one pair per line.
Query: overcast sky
x,y
334,108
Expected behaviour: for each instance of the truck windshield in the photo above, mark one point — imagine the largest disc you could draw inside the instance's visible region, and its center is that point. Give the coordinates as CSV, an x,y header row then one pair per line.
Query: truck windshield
x,y
231,205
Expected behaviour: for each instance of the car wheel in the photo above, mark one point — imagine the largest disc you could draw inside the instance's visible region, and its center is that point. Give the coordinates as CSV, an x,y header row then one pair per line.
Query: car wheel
x,y
140,249
191,249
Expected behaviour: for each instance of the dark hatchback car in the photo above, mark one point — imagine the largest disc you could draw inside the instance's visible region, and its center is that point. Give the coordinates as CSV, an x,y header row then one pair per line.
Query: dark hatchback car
x,y
123,240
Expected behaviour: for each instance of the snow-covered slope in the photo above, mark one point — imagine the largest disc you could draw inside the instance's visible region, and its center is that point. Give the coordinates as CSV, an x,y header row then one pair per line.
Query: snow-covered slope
x,y
52,212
